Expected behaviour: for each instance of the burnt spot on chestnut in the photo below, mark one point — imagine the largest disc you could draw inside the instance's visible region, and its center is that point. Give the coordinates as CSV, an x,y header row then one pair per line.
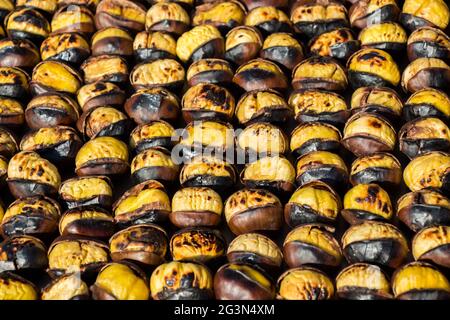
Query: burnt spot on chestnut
x,y
88,221
338,43
426,72
417,14
268,20
370,12
428,42
427,102
433,244
112,40
20,53
99,94
104,121
120,13
242,44
107,68
153,45
54,76
27,23
22,253
223,15
13,82
381,100
166,73
8,143
73,18
209,71
70,48
167,17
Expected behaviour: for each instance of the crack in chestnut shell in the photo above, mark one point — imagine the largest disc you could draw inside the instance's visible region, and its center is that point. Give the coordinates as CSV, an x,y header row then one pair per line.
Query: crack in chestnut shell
x,y
296,215
386,13
22,257
212,49
29,224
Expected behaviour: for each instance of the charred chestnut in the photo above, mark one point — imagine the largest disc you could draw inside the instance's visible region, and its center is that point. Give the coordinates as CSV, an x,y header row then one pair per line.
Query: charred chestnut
x,y
224,15
314,136
417,14
339,43
103,121
91,4
433,244
268,20
428,42
120,13
209,71
3,174
8,144
380,100
427,102
99,94
148,46
13,82
47,7
154,134
242,44
426,72
112,41
154,164
369,12
18,53
14,287
73,18
53,76
65,47
106,68
166,73
388,36
375,242
251,4
87,221
22,253
6,6
27,23
66,287
167,17
86,191
262,139
283,49
11,112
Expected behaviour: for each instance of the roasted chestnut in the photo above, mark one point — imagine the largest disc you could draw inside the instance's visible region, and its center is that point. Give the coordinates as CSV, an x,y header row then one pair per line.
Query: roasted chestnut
x,y
103,121
99,94
253,210
66,287
204,41
314,202
27,23
103,156
319,105
11,112
369,12
428,42
283,49
388,36
372,67
208,171
178,280
6,6
322,166
151,104
429,170
251,4
416,14
260,74
120,13
311,244
420,281
154,134
91,4
13,82
120,281
366,133
305,283
338,43
209,71
433,244
148,46
312,18
362,281
65,47
268,20
112,41
68,254
22,254
423,208
380,168
207,101
14,287
426,72
73,18
167,17
18,53
427,102
314,136
242,44
375,242
144,243
36,216
167,73
8,144
154,164
224,15
87,221
106,68
86,191
51,76
262,139
46,7
30,175
380,100
146,202
3,174
319,73
275,173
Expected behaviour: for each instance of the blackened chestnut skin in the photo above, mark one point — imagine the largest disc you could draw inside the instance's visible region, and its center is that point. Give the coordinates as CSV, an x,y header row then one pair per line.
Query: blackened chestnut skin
x,y
144,108
296,215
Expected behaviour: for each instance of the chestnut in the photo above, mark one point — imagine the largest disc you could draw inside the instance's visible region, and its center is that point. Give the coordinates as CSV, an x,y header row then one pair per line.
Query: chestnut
x,y
14,287
91,4
144,244
103,121
47,7
73,18
423,208
106,68
112,41
427,102
381,168
99,94
223,15
208,171
417,14
167,17
322,73
260,74
242,44
209,71
433,244
253,210
154,164
13,82
428,42
36,216
102,156
27,23
120,281
311,244
314,136
11,112
204,41
268,19
312,18
66,287
29,174
202,245
86,191
87,221
179,280
363,281
429,170
322,166
375,242
71,48
3,174
149,46
338,43
283,49
22,254
372,67
420,281
319,105
20,53
388,36
6,7
146,202
314,202
147,105
166,73
381,100
8,144
154,134
371,12
262,139
54,76
304,283
426,72
120,13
